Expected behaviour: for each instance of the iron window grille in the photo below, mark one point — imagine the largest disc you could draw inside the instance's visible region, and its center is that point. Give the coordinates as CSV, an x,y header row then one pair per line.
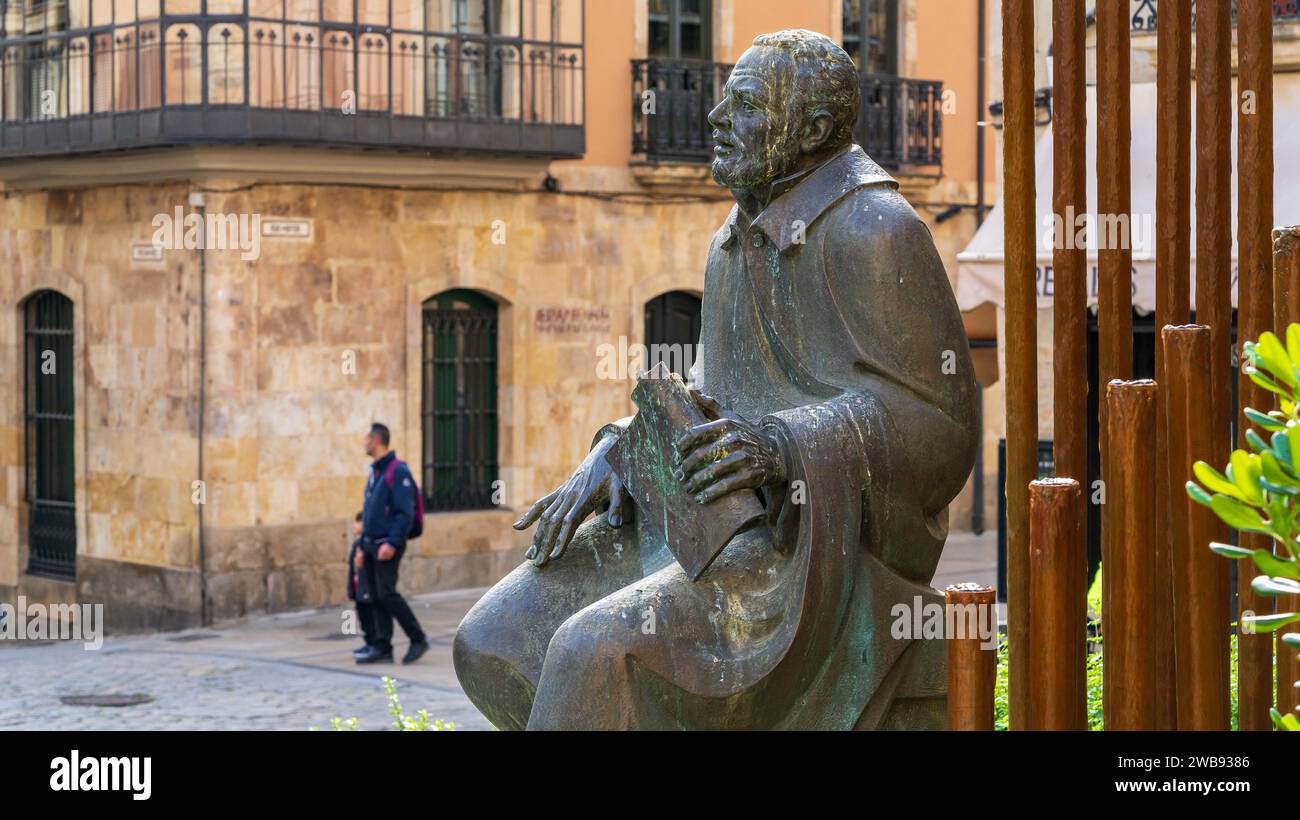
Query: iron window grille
x,y
50,418
459,402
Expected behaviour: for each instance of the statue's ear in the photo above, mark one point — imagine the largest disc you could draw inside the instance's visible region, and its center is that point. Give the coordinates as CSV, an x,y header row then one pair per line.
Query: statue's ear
x,y
817,131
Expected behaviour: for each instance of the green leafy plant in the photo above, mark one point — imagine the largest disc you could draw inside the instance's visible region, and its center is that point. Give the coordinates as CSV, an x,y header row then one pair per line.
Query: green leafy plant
x,y
1001,709
408,723
1257,491
402,722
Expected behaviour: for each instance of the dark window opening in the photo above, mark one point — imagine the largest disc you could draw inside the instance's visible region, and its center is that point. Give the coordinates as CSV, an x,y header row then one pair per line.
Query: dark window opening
x,y
459,401
49,419
672,331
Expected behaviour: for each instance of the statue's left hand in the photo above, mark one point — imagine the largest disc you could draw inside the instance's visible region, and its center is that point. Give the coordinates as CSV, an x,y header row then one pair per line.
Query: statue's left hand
x,y
592,486
726,454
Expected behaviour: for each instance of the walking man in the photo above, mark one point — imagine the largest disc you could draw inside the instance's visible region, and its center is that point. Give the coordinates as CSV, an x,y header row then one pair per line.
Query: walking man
x,y
386,521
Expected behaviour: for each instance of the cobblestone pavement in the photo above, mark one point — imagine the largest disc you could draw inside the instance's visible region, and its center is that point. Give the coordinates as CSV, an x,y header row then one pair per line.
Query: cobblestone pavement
x,y
291,671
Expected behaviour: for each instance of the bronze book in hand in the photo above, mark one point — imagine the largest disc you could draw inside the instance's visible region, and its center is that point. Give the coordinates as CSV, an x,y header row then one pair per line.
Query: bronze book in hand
x,y
644,458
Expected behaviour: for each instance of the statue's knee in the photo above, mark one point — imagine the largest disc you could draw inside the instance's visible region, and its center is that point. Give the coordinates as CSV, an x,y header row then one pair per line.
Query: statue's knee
x,y
468,647
585,640
494,681
579,662
481,640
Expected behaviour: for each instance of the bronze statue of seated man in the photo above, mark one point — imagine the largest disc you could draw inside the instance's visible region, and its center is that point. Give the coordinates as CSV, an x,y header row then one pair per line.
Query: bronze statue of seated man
x,y
836,379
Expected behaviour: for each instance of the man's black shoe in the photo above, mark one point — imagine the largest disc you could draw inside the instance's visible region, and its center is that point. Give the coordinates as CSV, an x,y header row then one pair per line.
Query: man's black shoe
x,y
416,652
373,655
360,650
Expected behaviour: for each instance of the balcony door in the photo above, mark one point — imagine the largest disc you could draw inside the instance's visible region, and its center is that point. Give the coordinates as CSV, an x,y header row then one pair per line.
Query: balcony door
x,y
871,35
679,30
685,83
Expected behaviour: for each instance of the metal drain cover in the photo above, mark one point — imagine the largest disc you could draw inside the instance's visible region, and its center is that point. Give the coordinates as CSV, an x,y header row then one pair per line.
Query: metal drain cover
x,y
105,700
194,636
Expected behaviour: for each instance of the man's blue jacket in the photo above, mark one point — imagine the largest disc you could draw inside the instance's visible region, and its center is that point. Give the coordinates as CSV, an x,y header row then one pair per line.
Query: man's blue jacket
x,y
387,515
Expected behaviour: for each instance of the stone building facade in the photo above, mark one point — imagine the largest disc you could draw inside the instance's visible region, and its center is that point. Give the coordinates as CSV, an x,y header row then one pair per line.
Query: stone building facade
x,y
202,447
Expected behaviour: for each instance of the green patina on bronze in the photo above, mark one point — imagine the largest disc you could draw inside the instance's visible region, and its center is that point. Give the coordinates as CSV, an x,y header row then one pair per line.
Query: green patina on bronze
x,y
827,320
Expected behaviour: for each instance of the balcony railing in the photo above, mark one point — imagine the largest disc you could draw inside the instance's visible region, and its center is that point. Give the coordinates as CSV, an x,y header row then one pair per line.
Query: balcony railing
x,y
900,123
236,78
671,101
1144,13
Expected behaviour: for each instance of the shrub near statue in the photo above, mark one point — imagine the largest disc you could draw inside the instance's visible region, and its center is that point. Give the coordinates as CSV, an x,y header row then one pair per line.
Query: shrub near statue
x,y
827,319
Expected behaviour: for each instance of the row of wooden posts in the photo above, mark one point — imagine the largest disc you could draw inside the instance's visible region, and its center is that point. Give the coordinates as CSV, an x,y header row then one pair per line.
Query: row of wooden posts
x,y
1166,596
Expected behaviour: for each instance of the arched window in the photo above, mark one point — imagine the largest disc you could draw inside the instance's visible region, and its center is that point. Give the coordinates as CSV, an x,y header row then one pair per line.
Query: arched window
x,y
459,401
50,419
672,330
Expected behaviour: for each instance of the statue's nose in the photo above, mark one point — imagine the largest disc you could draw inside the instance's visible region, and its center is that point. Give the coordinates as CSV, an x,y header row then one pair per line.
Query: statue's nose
x,y
718,117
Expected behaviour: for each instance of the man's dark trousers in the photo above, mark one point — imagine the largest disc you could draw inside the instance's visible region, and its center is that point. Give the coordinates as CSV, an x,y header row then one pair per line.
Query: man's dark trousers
x,y
389,604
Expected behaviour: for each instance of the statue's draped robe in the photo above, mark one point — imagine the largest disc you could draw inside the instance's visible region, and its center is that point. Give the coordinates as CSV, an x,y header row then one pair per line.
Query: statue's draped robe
x,y
831,322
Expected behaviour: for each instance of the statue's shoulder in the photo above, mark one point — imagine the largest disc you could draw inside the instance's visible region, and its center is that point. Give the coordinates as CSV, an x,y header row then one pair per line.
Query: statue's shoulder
x,y
876,210
874,203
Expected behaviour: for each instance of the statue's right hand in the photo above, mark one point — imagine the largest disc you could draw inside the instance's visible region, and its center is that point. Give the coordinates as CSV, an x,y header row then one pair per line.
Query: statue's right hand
x,y
561,512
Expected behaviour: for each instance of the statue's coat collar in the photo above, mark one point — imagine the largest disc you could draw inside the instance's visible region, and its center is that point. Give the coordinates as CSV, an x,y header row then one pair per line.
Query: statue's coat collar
x,y
811,197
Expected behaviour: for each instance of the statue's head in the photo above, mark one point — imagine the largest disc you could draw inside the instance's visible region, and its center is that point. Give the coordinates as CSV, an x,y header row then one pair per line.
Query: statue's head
x,y
792,99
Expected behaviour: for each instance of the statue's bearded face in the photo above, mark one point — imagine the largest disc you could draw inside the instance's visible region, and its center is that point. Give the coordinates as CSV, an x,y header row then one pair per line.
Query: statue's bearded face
x,y
759,122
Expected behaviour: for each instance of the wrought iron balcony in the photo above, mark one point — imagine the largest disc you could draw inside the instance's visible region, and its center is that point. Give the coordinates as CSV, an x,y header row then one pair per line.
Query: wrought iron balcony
x,y
900,123
1144,13
671,101
193,79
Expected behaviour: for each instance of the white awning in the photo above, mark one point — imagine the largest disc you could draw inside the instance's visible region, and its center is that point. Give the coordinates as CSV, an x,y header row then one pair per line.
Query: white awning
x,y
980,271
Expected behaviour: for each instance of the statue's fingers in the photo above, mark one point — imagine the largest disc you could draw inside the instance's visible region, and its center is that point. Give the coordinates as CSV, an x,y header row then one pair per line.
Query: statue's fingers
x,y
538,507
708,453
708,404
575,516
699,434
745,479
615,514
544,535
715,471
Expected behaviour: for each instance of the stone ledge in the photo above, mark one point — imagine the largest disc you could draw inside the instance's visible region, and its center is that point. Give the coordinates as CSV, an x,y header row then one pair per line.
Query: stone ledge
x,y
139,597
274,164
676,177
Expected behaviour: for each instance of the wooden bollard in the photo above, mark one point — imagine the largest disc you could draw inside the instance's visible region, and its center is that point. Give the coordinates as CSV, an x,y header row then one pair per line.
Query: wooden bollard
x,y
1051,707
1128,561
1173,291
1070,259
972,667
1200,577
1286,278
1020,274
1214,104
1114,199
1286,293
1254,316
1058,606
1114,254
1206,589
